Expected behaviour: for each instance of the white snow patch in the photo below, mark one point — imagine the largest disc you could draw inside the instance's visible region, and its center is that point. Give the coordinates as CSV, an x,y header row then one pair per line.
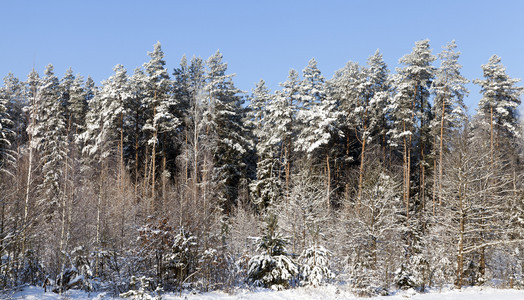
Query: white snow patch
x,y
303,293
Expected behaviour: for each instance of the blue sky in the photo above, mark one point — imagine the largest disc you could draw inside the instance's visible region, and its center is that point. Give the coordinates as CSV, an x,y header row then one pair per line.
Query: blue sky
x,y
259,39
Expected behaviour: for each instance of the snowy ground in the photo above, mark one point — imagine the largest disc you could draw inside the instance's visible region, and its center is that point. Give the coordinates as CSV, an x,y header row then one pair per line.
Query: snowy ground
x,y
324,293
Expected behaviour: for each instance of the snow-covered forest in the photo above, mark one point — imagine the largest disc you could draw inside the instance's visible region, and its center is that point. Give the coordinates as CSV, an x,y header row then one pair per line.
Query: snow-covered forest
x,y
169,180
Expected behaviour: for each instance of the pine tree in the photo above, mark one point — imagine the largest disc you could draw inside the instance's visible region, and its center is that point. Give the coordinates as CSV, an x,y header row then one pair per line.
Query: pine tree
x,y
137,137
348,86
281,116
410,111
266,187
379,89
6,125
90,89
106,116
15,101
189,82
371,119
317,117
448,107
64,91
49,139
77,106
225,127
273,268
498,105
315,266
161,123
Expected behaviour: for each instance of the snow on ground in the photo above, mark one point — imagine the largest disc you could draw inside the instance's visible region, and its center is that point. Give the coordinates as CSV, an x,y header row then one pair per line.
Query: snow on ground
x,y
323,293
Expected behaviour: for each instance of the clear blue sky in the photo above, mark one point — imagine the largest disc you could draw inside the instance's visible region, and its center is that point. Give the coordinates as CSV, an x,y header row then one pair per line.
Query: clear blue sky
x,y
259,39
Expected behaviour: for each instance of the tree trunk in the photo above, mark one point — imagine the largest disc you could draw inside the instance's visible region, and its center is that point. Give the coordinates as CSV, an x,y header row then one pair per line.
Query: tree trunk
x,y
491,137
460,254
361,170
136,155
435,184
346,192
98,243
29,173
121,181
407,162
362,156
164,183
196,146
153,163
288,166
441,150
328,183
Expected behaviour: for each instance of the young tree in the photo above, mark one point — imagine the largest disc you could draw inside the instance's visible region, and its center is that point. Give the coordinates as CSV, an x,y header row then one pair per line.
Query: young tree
x,y
273,268
374,232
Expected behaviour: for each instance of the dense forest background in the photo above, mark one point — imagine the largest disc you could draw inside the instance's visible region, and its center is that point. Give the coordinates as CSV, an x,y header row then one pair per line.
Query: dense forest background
x,y
172,179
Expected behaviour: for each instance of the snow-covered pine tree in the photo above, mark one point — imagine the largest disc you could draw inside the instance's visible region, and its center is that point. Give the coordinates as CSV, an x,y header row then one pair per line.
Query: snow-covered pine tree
x,y
16,108
314,269
6,132
380,88
273,268
106,116
196,148
317,118
161,123
11,116
449,110
347,86
266,187
363,93
137,136
166,254
281,116
226,129
64,87
305,219
183,92
77,106
33,82
498,105
74,106
90,88
50,140
8,179
410,111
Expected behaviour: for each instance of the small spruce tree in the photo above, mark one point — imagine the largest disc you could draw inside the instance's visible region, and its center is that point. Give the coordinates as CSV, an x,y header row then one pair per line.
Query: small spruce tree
x,y
273,268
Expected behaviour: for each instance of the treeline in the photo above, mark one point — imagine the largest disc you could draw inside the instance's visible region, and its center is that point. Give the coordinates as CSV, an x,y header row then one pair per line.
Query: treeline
x,y
172,178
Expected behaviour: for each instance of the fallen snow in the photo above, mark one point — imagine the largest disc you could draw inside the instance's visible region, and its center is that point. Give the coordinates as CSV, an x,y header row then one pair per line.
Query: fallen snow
x,y
324,293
